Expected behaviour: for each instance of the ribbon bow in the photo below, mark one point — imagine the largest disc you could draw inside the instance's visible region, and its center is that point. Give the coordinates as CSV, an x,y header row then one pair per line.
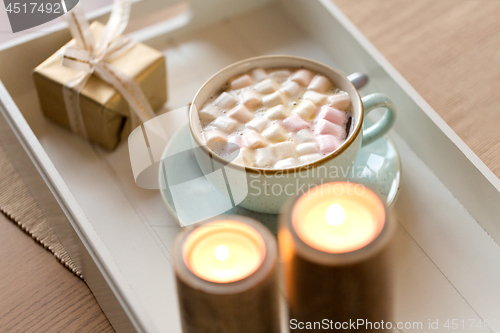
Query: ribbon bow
x,y
91,57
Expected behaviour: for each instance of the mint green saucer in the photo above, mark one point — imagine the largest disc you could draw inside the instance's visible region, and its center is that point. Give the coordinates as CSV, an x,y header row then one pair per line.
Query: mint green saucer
x,y
378,164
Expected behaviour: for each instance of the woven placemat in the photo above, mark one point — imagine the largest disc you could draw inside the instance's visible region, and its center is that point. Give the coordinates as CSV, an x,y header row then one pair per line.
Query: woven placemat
x,y
19,205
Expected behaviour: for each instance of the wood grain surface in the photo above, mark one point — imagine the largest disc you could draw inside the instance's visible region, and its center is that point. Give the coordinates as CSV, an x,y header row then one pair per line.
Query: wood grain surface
x,y
37,293
449,50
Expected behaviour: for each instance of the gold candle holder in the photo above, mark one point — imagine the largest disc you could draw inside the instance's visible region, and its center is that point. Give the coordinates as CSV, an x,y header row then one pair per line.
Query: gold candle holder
x,y
334,243
226,277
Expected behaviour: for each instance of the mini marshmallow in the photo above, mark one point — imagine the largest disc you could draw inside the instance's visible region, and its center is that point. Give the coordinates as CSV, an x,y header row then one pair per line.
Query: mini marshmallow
x,y
214,136
315,97
327,143
302,77
326,127
284,150
304,135
340,101
320,84
241,114
273,99
254,140
208,113
332,115
234,142
224,124
251,99
259,74
264,157
294,123
225,101
280,76
239,159
306,109
278,112
309,158
236,139
275,132
286,163
307,148
257,124
241,82
245,157
291,89
265,87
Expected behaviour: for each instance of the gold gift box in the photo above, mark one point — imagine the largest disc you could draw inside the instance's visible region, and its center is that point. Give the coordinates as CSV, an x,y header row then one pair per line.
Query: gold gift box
x,y
105,111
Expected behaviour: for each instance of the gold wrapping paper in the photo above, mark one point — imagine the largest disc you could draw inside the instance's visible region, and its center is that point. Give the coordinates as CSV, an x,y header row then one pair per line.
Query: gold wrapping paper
x,y
105,111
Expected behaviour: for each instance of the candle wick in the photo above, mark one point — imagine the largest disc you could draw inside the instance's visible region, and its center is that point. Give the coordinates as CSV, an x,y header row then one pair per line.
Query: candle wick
x,y
335,215
221,252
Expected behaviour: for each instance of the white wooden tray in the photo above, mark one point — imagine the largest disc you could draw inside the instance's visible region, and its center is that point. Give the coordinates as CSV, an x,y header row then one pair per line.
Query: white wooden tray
x,y
448,257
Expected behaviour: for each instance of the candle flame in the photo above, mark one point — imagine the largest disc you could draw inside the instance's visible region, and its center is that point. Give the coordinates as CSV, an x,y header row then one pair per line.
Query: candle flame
x,y
221,252
335,215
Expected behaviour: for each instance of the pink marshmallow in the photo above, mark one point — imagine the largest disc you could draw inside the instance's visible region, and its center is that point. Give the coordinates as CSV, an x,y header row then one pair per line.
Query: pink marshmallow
x,y
237,140
327,143
295,123
326,127
332,115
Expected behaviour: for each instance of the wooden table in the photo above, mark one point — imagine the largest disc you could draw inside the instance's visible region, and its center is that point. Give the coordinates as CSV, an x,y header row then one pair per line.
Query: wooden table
x,y
449,50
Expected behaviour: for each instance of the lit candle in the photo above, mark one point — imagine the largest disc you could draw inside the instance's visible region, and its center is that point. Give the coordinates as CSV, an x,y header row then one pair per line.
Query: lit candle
x,y
226,277
334,245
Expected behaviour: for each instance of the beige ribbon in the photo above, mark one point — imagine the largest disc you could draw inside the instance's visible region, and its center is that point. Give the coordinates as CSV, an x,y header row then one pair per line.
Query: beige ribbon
x,y
91,57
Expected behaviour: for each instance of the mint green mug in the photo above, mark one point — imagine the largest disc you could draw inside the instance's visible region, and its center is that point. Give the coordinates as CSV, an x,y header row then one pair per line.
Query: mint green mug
x,y
260,180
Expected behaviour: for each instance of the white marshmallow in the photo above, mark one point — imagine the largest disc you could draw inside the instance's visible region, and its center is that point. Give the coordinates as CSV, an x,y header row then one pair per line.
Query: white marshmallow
x,y
239,159
259,74
208,113
278,112
320,84
241,114
307,148
275,132
340,101
291,89
257,124
225,101
327,143
273,99
265,87
264,157
245,157
251,99
316,98
280,76
304,135
309,158
284,150
214,136
254,140
224,124
286,163
302,77
241,82
306,109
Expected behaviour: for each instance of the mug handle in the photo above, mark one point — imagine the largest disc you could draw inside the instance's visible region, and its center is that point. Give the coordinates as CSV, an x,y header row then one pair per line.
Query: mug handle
x,y
384,124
